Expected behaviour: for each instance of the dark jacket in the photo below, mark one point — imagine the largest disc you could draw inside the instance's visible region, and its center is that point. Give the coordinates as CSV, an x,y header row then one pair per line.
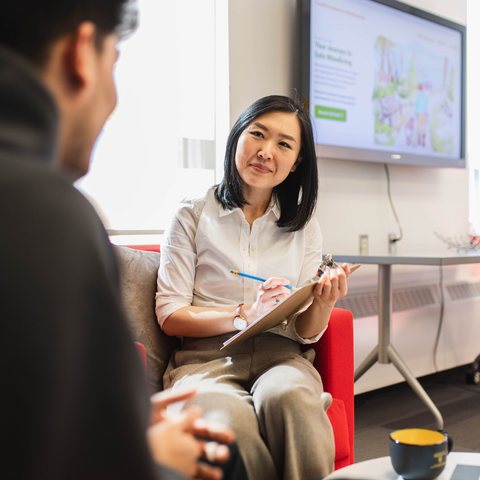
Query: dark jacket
x,y
73,393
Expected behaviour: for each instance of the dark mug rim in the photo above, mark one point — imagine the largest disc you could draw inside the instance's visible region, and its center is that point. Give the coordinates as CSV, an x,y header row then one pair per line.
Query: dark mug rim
x,y
399,442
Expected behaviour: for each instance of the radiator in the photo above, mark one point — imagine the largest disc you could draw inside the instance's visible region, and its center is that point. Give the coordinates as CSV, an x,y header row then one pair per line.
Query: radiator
x,y
413,329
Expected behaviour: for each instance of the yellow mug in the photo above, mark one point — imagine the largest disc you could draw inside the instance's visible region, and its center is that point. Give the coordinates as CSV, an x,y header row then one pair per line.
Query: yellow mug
x,y
419,454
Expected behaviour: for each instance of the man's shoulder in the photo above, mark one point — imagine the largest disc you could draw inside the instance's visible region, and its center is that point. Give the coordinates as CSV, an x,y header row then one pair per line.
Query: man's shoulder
x,y
51,237
37,200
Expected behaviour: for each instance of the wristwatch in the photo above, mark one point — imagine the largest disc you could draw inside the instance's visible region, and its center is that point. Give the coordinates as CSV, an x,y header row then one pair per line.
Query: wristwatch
x,y
239,322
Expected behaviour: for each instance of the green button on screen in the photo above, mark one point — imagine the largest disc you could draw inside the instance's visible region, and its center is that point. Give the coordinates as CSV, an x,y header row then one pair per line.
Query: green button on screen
x,y
330,113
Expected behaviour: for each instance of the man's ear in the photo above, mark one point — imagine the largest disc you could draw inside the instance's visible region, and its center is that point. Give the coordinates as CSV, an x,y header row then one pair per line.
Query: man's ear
x,y
80,55
296,164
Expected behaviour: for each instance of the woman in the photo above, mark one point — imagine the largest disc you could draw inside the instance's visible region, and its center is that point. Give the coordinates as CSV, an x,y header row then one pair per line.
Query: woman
x,y
258,220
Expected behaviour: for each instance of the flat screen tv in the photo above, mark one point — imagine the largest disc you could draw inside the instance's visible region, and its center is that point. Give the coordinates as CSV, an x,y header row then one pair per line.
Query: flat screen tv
x,y
385,82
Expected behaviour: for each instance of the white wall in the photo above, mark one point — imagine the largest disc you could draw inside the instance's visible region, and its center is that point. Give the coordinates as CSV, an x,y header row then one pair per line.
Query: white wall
x,y
263,51
264,60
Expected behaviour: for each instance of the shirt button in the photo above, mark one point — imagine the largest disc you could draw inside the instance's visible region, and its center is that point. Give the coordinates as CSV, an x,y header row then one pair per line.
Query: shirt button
x,y
254,248
249,289
256,222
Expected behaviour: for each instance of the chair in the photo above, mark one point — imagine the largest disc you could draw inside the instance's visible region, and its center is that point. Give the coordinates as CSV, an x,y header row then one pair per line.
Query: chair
x,y
142,351
334,362
334,359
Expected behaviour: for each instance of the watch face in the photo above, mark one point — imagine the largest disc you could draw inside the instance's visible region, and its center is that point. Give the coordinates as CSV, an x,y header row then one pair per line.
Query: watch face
x,y
239,323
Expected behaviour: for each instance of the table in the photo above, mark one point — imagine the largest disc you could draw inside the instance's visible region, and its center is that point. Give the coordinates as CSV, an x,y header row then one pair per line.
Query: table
x,y
384,352
381,468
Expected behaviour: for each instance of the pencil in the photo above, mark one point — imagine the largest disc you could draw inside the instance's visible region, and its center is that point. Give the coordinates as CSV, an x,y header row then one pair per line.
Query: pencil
x,y
246,275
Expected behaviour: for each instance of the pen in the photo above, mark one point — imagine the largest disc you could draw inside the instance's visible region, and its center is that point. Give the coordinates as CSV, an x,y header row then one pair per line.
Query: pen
x,y
246,275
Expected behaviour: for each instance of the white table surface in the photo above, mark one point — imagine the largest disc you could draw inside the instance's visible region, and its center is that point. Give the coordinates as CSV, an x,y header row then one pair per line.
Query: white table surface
x,y
438,257
381,468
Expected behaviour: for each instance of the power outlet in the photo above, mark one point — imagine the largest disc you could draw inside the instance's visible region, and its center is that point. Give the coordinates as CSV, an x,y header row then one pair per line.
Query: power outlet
x,y
363,243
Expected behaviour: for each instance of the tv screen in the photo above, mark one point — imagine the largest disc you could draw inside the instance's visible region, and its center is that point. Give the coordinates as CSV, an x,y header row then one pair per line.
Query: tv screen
x,y
385,82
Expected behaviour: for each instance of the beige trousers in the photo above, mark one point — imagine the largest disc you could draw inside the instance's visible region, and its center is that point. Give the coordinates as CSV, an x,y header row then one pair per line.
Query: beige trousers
x,y
268,391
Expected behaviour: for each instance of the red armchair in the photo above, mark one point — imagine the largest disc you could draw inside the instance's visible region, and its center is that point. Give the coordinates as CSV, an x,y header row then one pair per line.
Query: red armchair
x,y
142,351
334,361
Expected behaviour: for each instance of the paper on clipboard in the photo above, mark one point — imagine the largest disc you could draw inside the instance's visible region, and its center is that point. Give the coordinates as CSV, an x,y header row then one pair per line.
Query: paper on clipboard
x,y
295,302
288,306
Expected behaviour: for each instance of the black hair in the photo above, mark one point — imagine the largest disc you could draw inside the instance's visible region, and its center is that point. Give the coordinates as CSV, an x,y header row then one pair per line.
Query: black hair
x,y
297,194
30,27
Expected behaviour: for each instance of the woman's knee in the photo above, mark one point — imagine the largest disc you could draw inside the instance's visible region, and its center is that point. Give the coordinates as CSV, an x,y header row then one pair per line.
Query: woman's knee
x,y
227,408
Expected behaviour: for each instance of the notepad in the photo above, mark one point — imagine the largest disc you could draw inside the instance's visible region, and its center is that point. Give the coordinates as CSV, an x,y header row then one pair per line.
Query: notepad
x,y
298,300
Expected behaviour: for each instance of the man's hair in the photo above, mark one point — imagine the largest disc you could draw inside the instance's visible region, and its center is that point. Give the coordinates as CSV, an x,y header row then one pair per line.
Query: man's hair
x,y
297,194
30,27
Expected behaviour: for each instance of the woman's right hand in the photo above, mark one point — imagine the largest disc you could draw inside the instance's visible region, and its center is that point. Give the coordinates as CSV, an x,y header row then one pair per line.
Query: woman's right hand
x,y
270,293
201,322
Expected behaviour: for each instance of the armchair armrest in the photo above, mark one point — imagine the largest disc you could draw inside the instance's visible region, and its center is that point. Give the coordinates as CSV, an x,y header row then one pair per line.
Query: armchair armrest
x,y
334,362
143,353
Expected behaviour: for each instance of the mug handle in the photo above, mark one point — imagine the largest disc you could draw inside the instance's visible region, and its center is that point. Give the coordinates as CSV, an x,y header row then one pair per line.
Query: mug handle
x,y
449,441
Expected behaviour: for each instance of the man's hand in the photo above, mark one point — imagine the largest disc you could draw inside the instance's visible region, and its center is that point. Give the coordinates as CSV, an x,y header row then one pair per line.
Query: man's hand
x,y
161,400
173,438
172,443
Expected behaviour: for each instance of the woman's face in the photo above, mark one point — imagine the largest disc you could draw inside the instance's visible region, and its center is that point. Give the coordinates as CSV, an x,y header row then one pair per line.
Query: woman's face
x,y
268,149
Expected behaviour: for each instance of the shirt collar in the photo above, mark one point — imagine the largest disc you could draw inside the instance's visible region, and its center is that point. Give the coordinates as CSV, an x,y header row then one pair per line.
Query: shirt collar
x,y
273,207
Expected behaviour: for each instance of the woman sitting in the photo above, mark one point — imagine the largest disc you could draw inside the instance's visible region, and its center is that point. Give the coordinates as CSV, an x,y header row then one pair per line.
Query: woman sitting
x,y
258,220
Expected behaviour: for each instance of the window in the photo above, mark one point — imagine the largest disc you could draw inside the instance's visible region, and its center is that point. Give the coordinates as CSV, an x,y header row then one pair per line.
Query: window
x,y
165,140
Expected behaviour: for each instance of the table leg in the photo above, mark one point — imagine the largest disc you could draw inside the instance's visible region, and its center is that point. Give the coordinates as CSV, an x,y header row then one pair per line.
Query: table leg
x,y
384,311
366,364
384,352
415,385
379,353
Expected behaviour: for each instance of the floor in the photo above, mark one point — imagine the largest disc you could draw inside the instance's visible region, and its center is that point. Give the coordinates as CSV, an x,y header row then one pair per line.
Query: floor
x,y
380,412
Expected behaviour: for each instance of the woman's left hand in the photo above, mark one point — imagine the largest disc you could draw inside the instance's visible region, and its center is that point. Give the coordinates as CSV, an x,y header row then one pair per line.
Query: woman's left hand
x,y
332,286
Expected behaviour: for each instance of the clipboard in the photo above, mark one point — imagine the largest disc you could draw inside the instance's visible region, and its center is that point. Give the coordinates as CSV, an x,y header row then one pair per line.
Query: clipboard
x,y
296,301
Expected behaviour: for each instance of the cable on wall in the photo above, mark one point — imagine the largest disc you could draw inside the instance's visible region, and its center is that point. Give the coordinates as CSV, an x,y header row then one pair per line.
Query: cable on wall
x,y
393,240
440,322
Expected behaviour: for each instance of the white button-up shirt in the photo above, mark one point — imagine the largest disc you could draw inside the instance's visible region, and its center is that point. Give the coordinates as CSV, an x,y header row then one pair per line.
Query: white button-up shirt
x,y
205,241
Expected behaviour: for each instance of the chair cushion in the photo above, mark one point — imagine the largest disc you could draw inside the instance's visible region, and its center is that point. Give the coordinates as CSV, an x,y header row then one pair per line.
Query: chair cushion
x,y
338,419
138,279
